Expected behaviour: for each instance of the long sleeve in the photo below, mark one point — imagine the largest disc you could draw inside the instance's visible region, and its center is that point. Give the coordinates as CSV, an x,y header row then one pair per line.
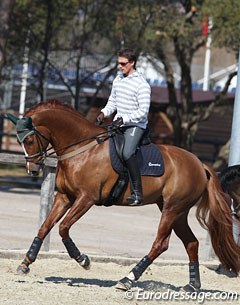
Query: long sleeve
x,y
111,104
130,97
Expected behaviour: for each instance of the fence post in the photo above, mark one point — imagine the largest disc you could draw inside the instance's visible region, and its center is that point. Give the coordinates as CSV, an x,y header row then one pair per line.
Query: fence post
x,y
46,200
1,131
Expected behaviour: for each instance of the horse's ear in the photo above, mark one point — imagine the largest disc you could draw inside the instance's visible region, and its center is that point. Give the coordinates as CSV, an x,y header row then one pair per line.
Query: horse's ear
x,y
24,123
12,118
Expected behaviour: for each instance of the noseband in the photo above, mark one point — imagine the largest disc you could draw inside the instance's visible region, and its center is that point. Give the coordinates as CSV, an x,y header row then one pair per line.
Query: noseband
x,y
43,152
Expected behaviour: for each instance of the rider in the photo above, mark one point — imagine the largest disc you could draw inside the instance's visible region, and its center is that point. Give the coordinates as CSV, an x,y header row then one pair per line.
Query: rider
x,y
130,98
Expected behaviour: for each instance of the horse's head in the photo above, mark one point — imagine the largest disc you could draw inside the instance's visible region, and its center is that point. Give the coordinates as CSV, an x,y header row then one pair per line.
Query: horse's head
x,y
230,182
34,141
54,121
235,207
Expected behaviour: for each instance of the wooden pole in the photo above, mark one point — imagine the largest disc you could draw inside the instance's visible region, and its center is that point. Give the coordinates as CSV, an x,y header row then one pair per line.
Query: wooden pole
x,y
234,153
1,131
46,200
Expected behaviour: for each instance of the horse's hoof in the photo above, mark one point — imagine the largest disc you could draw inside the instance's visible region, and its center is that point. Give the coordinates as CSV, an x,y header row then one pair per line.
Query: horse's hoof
x,y
23,269
86,264
189,288
124,284
225,271
84,261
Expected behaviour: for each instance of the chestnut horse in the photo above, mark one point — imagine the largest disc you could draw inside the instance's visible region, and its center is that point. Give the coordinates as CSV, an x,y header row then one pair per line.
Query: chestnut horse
x,y
85,177
230,182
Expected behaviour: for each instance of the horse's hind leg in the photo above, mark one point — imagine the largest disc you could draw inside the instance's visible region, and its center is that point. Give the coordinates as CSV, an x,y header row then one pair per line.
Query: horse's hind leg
x,y
183,231
159,246
59,208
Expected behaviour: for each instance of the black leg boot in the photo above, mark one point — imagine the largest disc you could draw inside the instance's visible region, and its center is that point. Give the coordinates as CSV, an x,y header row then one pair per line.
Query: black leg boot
x,y
136,197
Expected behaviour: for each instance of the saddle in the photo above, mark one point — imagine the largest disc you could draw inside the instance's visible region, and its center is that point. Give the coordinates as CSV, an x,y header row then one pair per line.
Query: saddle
x,y
149,159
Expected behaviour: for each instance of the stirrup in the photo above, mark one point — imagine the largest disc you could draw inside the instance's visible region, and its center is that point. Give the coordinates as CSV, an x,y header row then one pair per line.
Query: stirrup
x,y
135,199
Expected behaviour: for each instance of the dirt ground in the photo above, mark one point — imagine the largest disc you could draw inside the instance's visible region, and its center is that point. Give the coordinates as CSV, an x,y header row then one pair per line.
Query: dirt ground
x,y
114,238
54,281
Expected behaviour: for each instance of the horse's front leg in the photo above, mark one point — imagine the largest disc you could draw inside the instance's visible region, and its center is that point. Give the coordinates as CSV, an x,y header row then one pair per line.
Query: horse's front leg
x,y
60,206
81,205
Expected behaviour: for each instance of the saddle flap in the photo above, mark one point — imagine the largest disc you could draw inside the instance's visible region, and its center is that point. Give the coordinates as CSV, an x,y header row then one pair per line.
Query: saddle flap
x,y
149,157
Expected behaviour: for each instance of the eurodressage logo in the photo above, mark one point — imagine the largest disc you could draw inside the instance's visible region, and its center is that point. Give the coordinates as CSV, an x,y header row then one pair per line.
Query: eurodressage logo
x,y
199,297
154,164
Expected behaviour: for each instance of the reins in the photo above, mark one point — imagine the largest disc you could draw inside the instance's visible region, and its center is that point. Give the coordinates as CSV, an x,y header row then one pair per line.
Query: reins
x,y
110,132
44,152
94,137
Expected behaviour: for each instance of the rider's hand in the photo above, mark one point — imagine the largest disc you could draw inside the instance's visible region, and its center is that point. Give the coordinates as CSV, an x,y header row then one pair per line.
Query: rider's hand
x,y
100,118
118,122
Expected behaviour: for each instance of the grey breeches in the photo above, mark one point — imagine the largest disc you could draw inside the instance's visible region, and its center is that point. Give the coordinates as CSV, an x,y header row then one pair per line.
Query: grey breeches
x,y
132,136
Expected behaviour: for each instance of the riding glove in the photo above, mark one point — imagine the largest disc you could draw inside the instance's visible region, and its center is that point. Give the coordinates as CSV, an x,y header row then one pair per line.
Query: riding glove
x,y
118,122
100,118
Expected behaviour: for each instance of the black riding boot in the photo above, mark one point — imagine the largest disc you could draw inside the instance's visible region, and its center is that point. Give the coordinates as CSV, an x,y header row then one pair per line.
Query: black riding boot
x,y
136,196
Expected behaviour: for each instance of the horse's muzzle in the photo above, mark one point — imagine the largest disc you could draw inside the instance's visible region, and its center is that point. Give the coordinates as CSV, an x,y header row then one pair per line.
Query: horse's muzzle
x,y
33,169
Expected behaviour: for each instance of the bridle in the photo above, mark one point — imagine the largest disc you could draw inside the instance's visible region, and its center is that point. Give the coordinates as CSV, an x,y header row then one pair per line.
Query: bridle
x,y
46,152
234,209
43,152
25,128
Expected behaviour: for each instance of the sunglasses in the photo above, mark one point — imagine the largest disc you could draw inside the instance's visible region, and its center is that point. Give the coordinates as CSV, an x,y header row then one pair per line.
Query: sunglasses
x,y
123,64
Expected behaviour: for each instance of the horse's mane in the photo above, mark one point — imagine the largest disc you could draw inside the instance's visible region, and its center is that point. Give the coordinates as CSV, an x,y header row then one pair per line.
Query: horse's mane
x,y
51,104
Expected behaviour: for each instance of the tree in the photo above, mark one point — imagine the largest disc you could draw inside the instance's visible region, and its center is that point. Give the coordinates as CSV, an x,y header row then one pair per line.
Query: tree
x,y
62,34
176,33
38,25
226,27
166,30
6,7
76,30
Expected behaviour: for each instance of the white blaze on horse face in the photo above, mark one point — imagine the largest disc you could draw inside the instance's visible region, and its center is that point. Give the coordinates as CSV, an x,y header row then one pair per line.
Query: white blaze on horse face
x,y
26,155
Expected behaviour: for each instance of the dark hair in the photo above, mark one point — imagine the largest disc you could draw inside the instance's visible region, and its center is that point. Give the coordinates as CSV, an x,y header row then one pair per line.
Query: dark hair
x,y
129,54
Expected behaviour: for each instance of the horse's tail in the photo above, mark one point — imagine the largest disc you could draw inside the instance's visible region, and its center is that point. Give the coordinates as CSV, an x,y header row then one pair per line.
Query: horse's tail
x,y
214,214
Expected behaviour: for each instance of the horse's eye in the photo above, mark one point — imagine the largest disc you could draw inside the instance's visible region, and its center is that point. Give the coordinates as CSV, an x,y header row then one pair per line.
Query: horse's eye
x,y
30,142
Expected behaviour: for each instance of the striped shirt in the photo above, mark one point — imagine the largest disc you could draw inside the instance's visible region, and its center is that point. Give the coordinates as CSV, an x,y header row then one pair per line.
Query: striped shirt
x,y
130,97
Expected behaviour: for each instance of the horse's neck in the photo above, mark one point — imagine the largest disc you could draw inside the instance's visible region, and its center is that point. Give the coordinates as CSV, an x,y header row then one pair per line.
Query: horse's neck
x,y
65,127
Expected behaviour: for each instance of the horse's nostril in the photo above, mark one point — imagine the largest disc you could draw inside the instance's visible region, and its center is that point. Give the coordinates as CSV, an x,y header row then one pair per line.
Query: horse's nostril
x,y
34,173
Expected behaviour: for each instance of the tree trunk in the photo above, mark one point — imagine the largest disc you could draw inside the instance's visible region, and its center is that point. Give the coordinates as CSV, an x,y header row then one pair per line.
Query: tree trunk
x,y
184,56
6,7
